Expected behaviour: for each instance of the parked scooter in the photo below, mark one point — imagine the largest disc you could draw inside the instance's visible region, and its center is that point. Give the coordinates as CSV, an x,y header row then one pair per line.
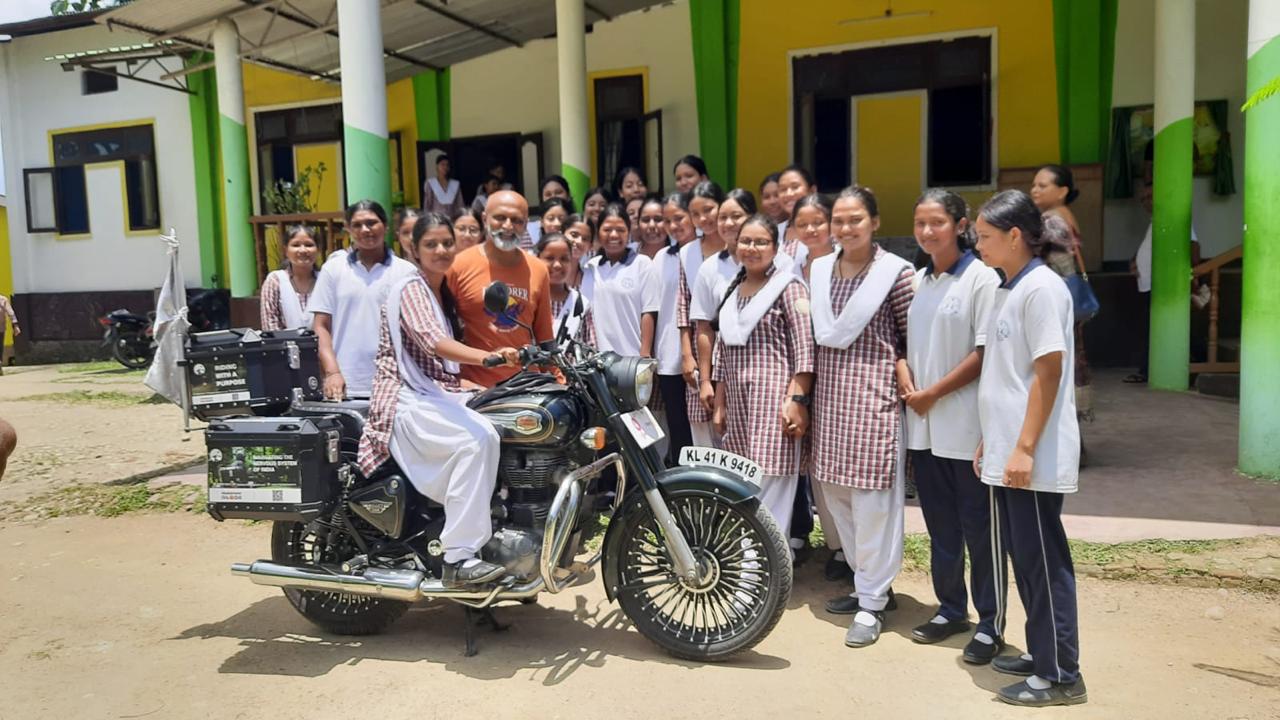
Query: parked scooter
x,y
130,335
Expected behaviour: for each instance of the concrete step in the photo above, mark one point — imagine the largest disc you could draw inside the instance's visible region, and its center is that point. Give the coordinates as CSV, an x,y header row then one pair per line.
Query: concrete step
x,y
1225,385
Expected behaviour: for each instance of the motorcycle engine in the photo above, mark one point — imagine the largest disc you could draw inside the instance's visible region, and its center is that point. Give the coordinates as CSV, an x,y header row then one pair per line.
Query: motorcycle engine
x,y
528,479
515,549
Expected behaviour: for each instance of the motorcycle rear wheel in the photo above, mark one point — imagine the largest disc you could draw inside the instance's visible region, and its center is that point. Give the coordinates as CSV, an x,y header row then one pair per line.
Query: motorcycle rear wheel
x,y
742,596
339,613
125,349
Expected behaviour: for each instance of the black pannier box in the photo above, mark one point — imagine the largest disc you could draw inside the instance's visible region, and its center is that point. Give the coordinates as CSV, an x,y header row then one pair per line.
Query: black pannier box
x,y
273,468
244,371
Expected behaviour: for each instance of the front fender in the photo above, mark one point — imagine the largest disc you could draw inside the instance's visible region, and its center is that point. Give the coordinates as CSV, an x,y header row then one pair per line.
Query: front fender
x,y
673,482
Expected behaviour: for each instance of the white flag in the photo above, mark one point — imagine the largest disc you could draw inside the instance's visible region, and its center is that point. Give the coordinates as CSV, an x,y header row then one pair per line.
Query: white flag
x,y
165,376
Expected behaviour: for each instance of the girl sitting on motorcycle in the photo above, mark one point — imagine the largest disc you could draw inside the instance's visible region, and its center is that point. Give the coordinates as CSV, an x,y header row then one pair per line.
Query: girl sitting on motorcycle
x,y
418,413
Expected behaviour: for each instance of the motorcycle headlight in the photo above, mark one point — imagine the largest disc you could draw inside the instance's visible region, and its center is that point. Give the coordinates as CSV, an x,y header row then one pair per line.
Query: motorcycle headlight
x,y
631,380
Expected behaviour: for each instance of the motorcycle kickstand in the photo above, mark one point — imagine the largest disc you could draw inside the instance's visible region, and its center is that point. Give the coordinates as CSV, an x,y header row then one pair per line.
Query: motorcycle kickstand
x,y
475,618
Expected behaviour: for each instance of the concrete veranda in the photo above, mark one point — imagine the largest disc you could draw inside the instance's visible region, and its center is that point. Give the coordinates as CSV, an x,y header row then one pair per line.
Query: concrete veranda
x,y
1161,465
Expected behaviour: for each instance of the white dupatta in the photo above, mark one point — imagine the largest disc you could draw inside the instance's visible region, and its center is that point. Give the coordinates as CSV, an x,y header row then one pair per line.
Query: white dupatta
x,y
411,375
737,325
444,195
293,315
840,332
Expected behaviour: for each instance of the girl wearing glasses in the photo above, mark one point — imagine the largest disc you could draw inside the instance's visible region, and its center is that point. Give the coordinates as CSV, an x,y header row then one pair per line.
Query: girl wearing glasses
x,y
764,366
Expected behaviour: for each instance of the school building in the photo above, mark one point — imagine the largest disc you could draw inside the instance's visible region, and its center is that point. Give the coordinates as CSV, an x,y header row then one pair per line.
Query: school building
x,y
120,124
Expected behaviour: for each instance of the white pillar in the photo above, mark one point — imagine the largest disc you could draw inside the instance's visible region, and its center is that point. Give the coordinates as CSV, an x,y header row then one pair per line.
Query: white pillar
x,y
571,54
364,101
1171,196
234,145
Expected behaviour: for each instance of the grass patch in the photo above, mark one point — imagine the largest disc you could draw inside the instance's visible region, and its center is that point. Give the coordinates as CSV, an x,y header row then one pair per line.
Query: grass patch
x,y
1102,554
99,367
110,398
109,501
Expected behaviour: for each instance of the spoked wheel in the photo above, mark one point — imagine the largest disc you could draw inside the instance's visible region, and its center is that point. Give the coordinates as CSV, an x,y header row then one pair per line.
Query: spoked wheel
x,y
743,589
293,544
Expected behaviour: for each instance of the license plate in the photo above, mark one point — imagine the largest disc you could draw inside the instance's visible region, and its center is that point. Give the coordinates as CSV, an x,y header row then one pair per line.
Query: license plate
x,y
644,427
694,456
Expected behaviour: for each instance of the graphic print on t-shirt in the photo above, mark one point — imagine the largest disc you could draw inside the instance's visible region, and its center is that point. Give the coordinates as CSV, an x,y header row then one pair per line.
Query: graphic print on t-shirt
x,y
508,319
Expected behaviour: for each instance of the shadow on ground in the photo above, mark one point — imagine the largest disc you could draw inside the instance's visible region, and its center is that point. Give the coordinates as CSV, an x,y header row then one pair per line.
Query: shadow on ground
x,y
552,642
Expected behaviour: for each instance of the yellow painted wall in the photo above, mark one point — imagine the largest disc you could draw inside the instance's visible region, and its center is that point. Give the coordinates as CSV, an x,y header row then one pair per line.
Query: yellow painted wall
x,y
890,156
401,117
1026,86
328,195
264,87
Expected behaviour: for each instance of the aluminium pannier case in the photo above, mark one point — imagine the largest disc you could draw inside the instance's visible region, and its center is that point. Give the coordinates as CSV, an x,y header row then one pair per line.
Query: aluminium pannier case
x,y
248,372
282,468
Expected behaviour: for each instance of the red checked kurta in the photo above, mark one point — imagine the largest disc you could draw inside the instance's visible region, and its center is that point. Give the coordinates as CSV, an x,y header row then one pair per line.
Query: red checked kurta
x,y
421,331
757,375
856,423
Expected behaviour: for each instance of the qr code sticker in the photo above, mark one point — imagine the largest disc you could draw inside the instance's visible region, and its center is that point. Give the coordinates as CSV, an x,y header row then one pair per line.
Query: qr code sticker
x,y
277,496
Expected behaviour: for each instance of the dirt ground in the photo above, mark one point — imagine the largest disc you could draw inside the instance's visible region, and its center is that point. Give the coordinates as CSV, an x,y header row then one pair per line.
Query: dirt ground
x,y
138,616
87,423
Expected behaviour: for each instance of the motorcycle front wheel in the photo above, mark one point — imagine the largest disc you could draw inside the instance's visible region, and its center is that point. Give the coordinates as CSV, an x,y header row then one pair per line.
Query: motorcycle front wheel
x,y
745,584
339,613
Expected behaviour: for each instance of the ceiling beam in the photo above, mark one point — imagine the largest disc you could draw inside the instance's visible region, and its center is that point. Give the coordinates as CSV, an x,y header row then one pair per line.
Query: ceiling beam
x,y
312,24
193,24
198,45
469,23
604,15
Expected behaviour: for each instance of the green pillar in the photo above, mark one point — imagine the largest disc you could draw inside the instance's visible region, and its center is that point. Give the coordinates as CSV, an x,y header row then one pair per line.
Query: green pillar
x,y
1084,51
1260,324
714,26
365,149
571,64
203,109
233,143
1171,215
431,104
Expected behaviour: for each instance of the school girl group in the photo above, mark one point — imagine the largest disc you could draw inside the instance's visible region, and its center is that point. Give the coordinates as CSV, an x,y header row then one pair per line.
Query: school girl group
x,y
784,333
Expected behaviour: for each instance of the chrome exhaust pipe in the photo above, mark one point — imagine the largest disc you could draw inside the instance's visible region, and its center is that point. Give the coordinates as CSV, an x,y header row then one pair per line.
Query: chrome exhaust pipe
x,y
391,584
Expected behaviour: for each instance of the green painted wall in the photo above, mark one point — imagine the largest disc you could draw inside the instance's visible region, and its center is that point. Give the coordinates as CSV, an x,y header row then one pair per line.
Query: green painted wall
x,y
368,165
1084,34
431,102
241,263
715,29
203,106
1260,323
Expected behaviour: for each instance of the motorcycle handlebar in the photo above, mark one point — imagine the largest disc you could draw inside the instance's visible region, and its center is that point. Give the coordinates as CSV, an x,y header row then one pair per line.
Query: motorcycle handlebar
x,y
493,361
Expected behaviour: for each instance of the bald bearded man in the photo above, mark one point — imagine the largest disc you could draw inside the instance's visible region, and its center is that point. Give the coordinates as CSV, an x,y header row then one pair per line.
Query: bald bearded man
x,y
499,257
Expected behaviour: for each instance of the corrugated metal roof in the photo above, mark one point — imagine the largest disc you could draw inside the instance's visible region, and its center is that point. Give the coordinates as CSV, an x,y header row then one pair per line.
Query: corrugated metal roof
x,y
301,36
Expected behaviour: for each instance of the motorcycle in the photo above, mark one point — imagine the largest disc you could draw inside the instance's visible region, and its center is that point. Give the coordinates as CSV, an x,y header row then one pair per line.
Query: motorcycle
x,y
693,558
131,336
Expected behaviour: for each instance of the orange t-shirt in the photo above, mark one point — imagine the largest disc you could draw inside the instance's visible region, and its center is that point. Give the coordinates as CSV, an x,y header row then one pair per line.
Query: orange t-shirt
x,y
530,304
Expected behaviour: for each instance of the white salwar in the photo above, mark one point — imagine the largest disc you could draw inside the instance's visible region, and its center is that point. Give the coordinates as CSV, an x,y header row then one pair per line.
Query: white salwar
x,y
448,450
869,525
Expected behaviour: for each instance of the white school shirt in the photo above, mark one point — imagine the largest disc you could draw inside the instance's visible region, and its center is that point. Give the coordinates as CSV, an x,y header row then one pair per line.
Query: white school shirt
x,y
1033,317
616,292
660,297
714,277
353,295
948,319
1143,260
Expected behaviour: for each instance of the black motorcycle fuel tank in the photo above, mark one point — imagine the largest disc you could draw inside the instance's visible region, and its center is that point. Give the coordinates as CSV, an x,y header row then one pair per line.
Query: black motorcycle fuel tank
x,y
536,411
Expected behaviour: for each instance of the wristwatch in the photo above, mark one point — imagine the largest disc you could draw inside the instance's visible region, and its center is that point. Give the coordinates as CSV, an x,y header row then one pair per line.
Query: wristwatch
x,y
804,400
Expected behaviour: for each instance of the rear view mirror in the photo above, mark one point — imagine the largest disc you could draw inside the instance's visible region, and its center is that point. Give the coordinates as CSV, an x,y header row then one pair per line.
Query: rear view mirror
x,y
496,297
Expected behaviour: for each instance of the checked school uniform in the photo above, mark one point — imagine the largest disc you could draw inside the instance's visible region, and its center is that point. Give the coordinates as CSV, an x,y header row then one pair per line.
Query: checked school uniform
x,y
860,327
1033,317
947,322
763,341
283,307
419,416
